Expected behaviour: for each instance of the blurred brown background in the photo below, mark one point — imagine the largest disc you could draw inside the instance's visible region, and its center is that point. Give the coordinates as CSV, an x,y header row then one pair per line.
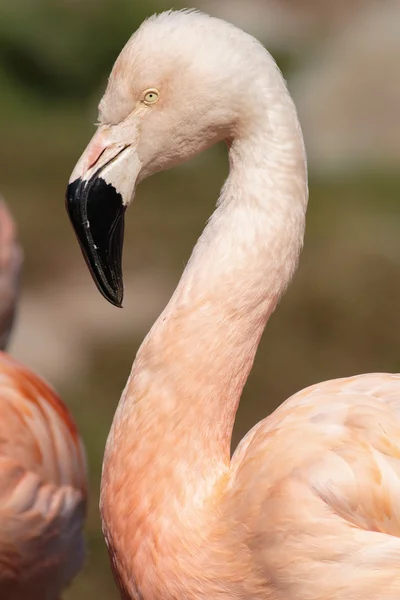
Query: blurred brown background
x,y
341,314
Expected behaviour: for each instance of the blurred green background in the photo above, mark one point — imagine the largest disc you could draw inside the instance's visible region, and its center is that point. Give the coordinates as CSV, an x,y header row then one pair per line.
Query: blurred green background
x,y
339,317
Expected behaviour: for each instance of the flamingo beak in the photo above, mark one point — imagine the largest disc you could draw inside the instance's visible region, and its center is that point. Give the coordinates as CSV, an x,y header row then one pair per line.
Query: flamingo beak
x,y
100,188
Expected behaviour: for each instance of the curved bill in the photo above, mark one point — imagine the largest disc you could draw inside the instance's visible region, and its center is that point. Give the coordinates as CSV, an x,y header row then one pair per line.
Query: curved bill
x,y
96,202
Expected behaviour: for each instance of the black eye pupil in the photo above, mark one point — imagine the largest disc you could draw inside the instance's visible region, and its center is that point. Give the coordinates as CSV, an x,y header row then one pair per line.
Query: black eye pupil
x,y
151,96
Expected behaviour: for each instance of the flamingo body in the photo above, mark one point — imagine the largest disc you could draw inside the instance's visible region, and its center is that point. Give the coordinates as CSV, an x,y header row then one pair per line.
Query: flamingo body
x,y
42,487
308,506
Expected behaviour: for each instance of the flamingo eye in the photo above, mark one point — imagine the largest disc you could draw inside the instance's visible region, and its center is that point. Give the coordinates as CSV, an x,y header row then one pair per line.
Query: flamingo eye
x,y
150,96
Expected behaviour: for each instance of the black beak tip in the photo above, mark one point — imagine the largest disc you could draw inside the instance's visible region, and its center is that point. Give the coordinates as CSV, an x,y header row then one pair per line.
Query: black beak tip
x,y
114,297
96,211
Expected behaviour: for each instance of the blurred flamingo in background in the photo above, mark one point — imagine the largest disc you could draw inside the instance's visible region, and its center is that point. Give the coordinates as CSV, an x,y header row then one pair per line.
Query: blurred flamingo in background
x,y
10,270
42,464
308,507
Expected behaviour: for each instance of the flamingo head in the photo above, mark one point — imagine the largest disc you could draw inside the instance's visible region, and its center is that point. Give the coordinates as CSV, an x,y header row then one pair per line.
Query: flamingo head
x,y
181,84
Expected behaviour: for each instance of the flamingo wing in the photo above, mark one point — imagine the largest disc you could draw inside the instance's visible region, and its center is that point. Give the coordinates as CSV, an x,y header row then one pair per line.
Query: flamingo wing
x,y
323,517
42,487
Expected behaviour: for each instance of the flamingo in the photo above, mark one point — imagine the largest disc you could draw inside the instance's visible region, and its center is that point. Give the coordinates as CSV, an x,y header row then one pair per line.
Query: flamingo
x,y
308,506
42,463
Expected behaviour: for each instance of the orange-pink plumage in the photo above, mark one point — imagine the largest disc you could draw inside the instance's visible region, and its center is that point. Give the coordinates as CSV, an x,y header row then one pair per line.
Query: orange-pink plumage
x,y
43,485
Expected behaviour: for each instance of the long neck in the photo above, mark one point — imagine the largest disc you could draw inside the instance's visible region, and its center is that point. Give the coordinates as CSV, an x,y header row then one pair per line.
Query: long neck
x,y
169,445
189,373
10,269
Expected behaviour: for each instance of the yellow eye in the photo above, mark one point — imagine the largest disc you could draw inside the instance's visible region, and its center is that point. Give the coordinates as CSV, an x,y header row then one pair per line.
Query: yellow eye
x,y
150,96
